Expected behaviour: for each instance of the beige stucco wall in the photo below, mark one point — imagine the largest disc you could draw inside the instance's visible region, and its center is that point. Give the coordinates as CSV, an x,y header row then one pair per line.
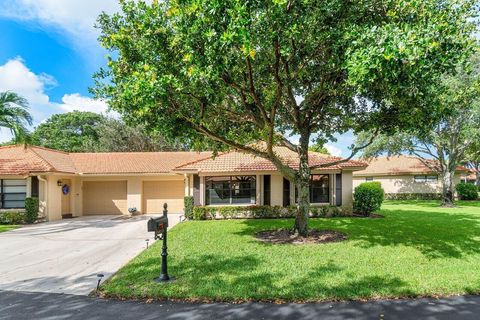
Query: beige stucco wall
x,y
347,189
50,193
405,184
276,190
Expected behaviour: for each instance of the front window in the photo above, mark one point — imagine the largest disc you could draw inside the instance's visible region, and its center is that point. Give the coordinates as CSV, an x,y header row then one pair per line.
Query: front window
x,y
425,178
230,190
368,179
319,188
13,193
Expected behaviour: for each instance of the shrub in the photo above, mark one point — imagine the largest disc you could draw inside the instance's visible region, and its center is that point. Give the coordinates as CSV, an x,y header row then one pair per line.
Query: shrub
x,y
259,212
368,198
467,191
335,211
188,203
346,211
324,211
413,196
12,217
204,213
31,210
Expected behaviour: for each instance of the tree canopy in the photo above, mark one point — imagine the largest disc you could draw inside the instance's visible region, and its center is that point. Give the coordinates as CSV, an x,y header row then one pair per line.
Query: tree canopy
x,y
69,132
91,132
229,73
454,139
14,115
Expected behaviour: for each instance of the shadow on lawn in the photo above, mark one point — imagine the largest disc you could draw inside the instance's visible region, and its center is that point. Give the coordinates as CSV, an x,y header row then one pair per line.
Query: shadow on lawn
x,y
220,278
436,234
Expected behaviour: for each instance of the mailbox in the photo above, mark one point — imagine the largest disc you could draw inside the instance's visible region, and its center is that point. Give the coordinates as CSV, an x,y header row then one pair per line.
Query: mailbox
x,y
157,224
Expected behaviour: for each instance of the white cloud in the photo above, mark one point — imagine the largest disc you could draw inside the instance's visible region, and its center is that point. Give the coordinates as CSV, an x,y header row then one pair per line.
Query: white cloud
x,y
15,76
333,150
75,18
75,101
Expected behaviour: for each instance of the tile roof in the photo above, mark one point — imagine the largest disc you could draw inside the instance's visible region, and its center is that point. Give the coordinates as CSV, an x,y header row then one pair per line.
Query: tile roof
x,y
132,162
470,175
21,160
237,161
397,165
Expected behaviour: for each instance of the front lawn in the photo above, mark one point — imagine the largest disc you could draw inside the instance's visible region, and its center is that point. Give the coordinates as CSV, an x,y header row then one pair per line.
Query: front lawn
x,y
418,249
4,228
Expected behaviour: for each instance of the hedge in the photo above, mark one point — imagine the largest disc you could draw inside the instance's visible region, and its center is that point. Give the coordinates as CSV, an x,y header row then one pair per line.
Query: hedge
x,y
368,198
467,191
413,196
12,217
31,210
188,203
263,212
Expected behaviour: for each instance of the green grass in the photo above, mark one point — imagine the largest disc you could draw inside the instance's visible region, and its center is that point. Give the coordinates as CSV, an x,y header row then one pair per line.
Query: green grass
x,y
418,249
4,228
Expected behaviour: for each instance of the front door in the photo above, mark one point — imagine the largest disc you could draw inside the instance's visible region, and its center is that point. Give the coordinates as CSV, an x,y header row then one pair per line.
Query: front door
x,y
66,191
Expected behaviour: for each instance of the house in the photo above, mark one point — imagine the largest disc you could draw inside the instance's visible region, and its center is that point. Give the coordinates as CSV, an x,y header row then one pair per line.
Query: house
x,y
78,184
403,175
470,177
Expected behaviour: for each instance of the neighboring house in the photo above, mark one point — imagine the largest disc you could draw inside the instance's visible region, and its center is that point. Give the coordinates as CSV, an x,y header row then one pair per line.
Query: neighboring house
x,y
403,174
77,184
470,177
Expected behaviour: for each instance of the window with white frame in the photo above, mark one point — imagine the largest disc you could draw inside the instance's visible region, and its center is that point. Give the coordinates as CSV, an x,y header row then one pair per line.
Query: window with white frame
x,y
13,193
368,179
425,178
230,190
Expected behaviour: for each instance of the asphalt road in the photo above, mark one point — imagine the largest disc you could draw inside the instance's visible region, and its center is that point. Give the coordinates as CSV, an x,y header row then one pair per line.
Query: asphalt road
x,y
23,305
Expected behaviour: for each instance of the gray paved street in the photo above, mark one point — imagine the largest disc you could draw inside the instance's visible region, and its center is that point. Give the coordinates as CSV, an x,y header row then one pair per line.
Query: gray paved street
x,y
22,305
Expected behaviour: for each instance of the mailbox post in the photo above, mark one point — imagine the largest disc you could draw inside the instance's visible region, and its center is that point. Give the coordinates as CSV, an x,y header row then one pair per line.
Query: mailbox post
x,y
159,226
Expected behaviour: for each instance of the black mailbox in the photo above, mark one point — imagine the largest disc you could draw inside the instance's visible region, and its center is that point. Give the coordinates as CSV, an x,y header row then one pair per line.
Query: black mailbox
x,y
157,224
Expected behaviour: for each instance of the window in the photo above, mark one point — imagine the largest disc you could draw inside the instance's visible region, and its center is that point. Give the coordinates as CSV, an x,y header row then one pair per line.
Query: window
x,y
425,178
13,194
368,178
286,192
230,190
319,188
266,189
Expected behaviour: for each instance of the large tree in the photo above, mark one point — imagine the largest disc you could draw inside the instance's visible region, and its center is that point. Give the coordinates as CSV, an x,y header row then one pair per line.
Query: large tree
x,y
472,158
80,131
231,73
450,142
71,132
114,135
14,115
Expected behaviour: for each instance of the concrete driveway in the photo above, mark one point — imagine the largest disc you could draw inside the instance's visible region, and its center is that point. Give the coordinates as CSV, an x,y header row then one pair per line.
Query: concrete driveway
x,y
66,256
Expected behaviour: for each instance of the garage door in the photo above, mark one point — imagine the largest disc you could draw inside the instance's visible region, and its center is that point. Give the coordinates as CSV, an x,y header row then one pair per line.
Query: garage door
x,y
156,193
104,197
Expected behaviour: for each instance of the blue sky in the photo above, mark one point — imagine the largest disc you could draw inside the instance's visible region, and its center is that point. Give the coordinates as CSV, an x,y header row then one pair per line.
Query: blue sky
x,y
49,53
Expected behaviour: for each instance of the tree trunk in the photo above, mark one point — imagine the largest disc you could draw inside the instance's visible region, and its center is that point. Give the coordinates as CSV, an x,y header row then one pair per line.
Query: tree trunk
x,y
447,189
302,182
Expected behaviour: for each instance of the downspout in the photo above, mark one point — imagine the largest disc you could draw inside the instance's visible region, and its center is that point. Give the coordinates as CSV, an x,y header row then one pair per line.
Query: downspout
x,y
45,182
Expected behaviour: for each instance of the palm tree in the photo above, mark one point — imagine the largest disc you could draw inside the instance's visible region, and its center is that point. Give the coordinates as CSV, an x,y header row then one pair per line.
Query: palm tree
x,y
14,115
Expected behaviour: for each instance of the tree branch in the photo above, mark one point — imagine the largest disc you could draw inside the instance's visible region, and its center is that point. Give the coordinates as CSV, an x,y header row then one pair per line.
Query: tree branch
x,y
354,152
